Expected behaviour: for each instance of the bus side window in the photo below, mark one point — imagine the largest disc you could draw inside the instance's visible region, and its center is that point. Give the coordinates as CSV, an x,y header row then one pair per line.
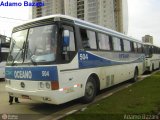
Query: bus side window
x,y
104,43
85,39
116,44
135,48
88,39
140,48
127,45
153,49
71,46
69,51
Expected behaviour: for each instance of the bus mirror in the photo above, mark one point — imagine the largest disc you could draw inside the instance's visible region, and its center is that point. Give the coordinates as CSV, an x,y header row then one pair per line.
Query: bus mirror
x,y
66,38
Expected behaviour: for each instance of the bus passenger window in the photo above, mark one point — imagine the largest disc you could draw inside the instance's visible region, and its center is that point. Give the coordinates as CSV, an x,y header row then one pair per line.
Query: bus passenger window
x,y
116,44
127,46
104,43
140,49
88,39
135,47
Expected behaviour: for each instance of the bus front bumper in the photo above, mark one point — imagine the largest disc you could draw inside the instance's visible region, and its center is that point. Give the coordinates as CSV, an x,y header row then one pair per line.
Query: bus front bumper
x,y
51,97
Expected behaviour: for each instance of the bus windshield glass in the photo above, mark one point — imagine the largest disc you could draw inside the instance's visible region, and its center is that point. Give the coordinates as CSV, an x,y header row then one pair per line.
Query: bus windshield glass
x,y
34,45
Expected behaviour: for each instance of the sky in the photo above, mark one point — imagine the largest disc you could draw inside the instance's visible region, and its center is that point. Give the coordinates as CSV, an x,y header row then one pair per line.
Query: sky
x,y
144,18
18,12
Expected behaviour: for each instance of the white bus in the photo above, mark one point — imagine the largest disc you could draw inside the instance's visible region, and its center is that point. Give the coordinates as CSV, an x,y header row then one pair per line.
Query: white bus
x,y
56,59
4,50
152,53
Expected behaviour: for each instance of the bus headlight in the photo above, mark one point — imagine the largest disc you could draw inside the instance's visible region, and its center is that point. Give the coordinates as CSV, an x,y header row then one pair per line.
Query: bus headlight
x,y
45,85
48,85
41,85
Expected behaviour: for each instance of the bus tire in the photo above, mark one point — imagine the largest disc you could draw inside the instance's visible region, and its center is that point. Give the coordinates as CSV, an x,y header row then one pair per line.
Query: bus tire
x,y
135,77
90,90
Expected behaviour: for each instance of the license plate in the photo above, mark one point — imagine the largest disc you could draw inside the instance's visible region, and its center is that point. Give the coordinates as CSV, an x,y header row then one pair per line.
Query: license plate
x,y
25,97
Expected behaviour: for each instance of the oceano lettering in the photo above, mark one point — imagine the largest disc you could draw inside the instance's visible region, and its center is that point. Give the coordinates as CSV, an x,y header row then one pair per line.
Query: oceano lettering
x,y
23,74
123,55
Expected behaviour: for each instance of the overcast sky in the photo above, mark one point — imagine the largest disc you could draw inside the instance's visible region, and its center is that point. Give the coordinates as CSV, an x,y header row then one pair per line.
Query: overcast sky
x,y
6,25
144,18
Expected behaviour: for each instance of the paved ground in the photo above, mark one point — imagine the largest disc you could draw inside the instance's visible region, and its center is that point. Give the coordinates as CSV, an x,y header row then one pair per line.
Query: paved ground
x,y
31,110
28,109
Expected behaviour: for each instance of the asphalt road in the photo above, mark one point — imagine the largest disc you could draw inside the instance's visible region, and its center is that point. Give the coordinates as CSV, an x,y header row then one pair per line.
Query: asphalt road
x,y
32,110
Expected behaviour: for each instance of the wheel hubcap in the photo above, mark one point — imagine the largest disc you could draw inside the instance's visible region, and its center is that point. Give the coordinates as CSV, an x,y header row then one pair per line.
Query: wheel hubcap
x,y
89,89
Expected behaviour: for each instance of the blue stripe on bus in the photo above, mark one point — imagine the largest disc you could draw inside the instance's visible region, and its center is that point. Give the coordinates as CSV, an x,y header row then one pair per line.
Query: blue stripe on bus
x,y
88,60
36,73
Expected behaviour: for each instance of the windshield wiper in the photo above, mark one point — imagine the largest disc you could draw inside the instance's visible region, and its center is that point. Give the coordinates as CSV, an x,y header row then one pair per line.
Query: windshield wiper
x,y
31,54
33,62
20,51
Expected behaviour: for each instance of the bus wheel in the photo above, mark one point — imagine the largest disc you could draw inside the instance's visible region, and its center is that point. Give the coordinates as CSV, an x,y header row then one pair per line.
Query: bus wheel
x,y
135,78
90,90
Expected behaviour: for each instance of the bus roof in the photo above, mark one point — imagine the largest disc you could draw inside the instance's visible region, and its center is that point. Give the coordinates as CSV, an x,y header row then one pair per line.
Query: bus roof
x,y
85,24
150,44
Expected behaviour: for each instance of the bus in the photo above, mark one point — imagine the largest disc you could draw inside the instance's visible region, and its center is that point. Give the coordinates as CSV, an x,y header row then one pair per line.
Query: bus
x,y
152,54
4,50
56,59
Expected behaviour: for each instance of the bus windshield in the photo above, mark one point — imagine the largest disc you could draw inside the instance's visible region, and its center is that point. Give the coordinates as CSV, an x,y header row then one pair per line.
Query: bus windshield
x,y
34,45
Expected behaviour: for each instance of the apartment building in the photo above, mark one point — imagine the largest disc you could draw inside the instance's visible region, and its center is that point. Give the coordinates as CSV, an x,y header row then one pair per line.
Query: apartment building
x,y
112,14
147,39
51,7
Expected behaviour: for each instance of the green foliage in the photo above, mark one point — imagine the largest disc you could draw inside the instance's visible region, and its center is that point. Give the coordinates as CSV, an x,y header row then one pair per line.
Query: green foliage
x,y
141,98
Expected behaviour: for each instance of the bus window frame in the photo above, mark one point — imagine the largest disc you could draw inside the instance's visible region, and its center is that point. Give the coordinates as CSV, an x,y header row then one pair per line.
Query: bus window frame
x,y
90,49
135,49
141,48
110,44
120,44
130,45
60,41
